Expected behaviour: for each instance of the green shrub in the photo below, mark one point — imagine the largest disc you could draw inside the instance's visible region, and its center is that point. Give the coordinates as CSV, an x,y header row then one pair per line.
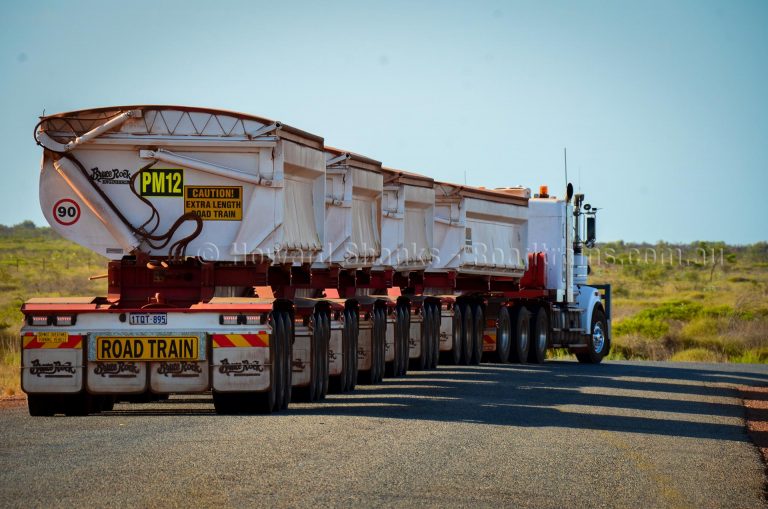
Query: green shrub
x,y
752,356
697,355
642,326
701,327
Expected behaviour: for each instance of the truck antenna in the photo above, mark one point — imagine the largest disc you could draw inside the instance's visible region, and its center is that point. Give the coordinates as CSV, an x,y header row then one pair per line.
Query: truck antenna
x,y
565,162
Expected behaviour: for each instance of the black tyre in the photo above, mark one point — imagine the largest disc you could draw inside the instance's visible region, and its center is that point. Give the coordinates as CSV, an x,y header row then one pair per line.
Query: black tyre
x,y
354,347
267,401
41,405
324,347
467,334
503,336
78,404
428,335
478,331
317,358
382,342
287,360
405,337
436,318
521,338
599,342
350,352
278,361
225,403
539,337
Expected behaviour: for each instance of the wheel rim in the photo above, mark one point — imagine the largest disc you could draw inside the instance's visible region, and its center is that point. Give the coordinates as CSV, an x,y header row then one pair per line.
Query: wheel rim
x,y
524,339
467,333
598,338
541,340
503,337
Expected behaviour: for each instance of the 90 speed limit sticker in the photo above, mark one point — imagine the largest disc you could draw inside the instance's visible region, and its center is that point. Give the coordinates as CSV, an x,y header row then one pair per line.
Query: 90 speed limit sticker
x,y
66,212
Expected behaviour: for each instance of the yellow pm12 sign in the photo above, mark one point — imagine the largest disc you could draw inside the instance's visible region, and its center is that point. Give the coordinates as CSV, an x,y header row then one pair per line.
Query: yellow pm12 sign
x,y
162,182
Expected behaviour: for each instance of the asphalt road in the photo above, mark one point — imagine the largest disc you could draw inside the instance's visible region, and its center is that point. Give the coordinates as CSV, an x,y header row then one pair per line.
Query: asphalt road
x,y
557,435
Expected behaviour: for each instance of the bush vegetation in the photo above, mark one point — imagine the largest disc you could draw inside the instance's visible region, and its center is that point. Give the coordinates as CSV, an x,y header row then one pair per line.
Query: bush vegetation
x,y
705,301
701,302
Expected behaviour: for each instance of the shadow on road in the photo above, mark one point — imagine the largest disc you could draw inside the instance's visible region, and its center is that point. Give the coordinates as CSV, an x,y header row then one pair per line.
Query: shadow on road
x,y
672,400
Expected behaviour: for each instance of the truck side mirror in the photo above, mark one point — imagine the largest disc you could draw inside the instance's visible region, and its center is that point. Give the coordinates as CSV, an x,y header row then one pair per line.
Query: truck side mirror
x,y
591,231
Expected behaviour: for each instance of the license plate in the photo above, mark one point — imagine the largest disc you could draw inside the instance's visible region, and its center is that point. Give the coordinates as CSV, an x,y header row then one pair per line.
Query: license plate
x,y
155,348
52,337
148,319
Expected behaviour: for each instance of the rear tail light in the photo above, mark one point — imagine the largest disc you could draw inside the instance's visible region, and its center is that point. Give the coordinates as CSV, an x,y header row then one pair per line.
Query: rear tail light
x,y
39,320
64,320
243,319
228,319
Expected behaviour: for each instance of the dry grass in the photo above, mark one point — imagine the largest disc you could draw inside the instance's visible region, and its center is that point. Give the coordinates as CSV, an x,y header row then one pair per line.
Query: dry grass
x,y
10,360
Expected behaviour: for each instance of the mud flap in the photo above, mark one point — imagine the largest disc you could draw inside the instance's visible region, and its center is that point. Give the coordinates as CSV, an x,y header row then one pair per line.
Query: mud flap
x,y
365,345
52,370
414,338
335,349
301,363
446,330
240,362
180,376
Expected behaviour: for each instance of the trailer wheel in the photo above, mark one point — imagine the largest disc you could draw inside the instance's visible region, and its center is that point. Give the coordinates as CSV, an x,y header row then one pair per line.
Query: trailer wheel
x,y
325,346
435,336
317,355
454,355
383,364
383,343
107,403
425,354
287,360
405,339
436,318
41,405
539,337
355,348
467,334
503,335
78,404
352,318
522,329
598,340
427,337
477,336
278,364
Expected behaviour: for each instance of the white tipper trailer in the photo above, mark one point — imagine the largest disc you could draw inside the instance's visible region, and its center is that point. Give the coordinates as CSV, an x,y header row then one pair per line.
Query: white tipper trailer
x,y
248,260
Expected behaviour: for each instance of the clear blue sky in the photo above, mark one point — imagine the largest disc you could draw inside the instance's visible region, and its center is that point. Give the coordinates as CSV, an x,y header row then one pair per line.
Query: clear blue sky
x,y
663,105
